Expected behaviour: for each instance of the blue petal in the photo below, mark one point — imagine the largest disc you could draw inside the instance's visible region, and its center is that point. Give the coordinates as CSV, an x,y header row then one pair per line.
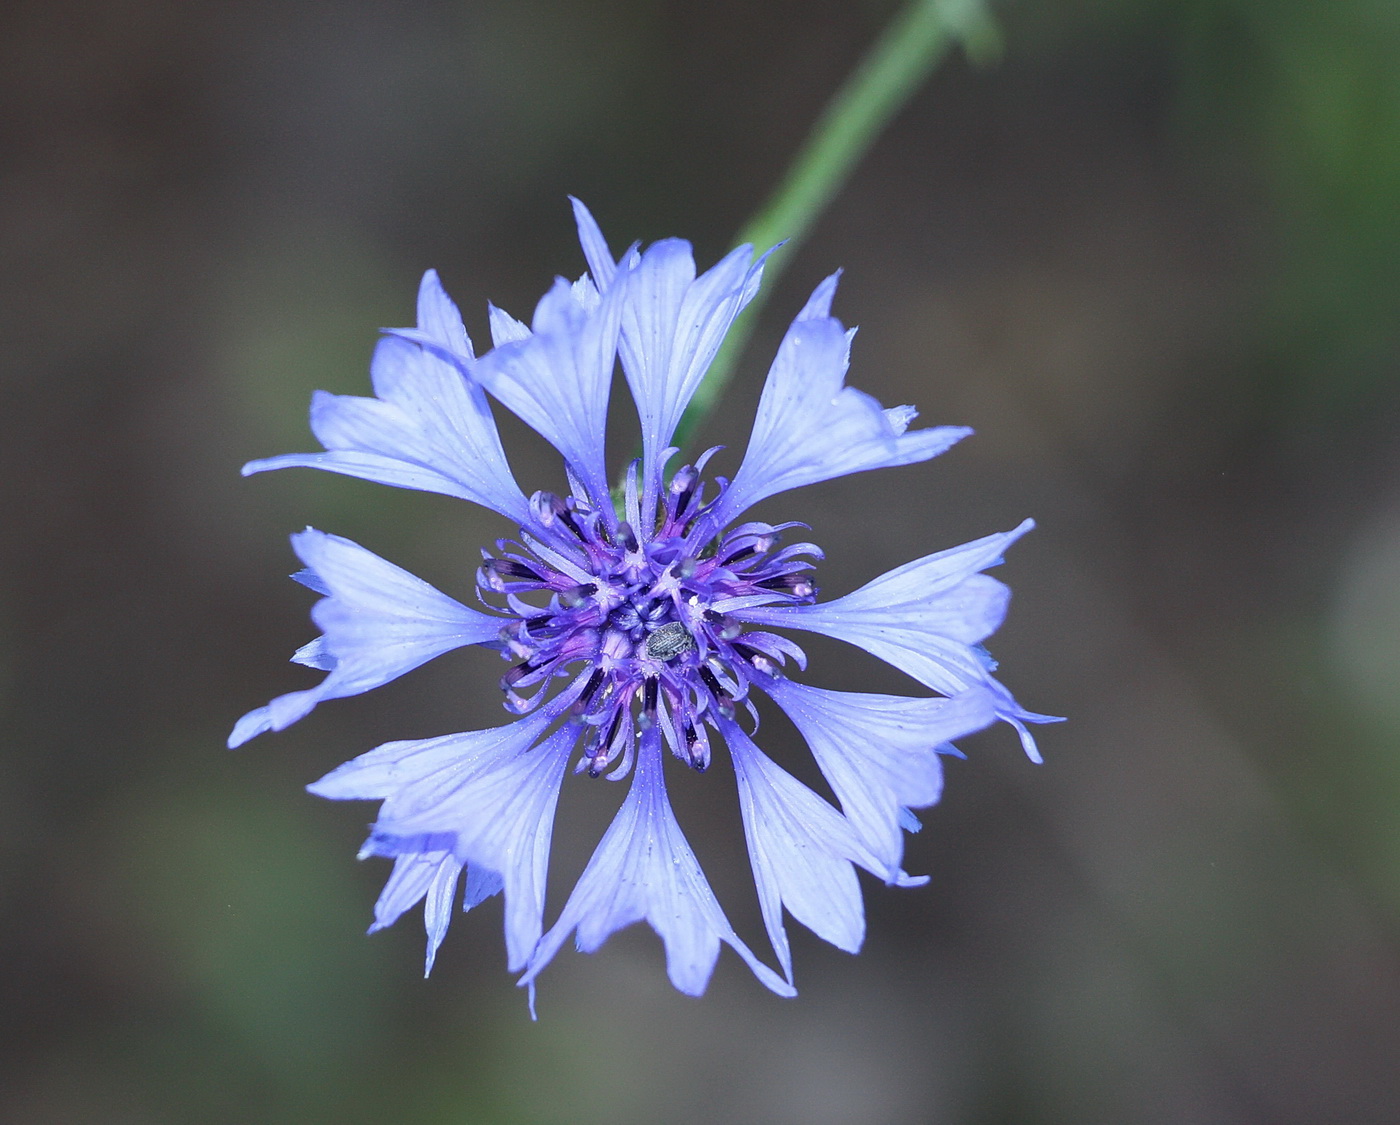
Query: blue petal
x,y
672,325
801,850
481,885
643,870
505,329
810,427
558,378
499,815
880,753
595,247
395,768
408,883
415,876
315,654
486,797
439,321
429,429
925,618
379,622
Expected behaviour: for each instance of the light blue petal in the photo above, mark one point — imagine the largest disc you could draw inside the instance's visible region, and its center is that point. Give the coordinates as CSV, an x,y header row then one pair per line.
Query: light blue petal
x,y
601,263
880,753
379,622
429,877
390,770
505,329
672,325
407,884
429,429
557,380
644,870
925,618
487,798
499,812
439,319
437,906
810,427
481,885
314,654
801,850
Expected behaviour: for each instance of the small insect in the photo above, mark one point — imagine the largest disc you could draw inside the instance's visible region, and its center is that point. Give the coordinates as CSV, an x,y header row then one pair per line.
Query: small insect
x,y
669,641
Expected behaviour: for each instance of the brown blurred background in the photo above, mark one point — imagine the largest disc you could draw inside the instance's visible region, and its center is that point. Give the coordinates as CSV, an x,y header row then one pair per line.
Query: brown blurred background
x,y
1153,256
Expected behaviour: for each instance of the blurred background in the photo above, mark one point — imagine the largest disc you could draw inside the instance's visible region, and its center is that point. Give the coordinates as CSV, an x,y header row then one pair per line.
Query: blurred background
x,y
1152,256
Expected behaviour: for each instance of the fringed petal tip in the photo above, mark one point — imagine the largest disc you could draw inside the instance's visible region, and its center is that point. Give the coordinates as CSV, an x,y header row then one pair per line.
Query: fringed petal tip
x,y
281,713
1018,720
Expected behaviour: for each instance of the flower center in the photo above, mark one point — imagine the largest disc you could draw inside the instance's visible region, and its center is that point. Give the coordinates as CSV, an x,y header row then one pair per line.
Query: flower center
x,y
640,625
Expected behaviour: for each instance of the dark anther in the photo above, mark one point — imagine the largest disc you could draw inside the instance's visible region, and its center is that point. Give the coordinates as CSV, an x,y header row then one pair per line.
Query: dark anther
x,y
569,520
649,697
726,627
590,689
575,595
516,674
509,568
683,485
699,760
711,682
751,654
669,641
797,584
627,535
742,553
600,754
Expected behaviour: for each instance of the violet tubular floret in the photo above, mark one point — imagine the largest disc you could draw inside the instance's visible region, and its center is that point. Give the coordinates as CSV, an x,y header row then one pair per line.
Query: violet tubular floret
x,y
642,627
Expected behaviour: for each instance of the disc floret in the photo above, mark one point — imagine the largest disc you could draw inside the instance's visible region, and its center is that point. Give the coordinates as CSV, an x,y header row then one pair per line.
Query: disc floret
x,y
637,620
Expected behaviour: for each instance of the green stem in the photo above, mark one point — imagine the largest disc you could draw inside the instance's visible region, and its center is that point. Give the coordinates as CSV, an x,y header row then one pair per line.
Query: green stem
x,y
894,67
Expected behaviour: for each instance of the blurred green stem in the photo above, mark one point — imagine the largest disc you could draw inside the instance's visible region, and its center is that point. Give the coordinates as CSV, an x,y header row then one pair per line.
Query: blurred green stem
x,y
894,67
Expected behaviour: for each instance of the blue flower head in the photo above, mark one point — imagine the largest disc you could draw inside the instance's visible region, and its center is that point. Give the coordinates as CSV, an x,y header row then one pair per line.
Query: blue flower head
x,y
638,628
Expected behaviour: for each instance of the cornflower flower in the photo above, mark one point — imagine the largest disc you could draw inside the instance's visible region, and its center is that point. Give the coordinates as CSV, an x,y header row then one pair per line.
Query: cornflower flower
x,y
638,627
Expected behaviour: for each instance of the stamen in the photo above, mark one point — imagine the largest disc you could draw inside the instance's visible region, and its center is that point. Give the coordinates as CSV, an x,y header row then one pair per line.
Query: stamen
x,y
757,659
600,756
683,489
569,520
725,627
580,704
509,568
628,537
799,585
547,507
711,682
697,749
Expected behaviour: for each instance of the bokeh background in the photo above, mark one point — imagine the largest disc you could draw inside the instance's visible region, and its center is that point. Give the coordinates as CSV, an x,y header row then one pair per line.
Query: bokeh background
x,y
1153,256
